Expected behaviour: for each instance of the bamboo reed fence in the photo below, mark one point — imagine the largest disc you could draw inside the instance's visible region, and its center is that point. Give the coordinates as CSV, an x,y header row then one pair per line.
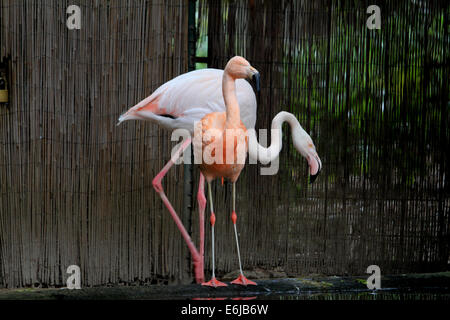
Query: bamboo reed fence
x,y
76,189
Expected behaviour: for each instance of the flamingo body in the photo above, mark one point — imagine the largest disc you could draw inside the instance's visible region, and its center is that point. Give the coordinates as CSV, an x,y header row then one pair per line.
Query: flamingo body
x,y
226,168
186,99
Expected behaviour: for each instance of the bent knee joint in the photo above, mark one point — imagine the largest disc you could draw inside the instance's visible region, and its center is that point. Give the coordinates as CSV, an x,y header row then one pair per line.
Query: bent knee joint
x,y
157,184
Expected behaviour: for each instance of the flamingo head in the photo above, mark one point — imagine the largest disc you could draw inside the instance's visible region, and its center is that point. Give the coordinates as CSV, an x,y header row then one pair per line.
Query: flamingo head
x,y
305,146
315,165
239,68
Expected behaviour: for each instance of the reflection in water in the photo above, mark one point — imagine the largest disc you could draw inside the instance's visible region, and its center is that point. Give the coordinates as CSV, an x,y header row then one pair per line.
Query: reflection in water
x,y
428,295
367,295
225,298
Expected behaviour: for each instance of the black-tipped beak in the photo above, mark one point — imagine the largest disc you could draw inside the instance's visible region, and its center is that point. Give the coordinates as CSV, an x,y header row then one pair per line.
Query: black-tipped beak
x,y
256,81
313,178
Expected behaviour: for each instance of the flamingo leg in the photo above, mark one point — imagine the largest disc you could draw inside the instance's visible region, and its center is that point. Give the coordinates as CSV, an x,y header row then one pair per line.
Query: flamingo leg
x,y
201,199
213,282
241,280
196,258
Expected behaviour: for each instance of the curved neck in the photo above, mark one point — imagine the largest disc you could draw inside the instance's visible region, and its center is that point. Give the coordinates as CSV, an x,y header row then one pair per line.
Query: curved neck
x,y
266,155
229,96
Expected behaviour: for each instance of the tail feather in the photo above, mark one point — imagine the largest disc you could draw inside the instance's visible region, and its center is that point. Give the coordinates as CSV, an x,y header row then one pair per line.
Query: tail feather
x,y
128,116
141,111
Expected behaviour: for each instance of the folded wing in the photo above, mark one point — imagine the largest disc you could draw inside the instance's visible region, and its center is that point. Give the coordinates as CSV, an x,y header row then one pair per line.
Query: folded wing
x,y
182,101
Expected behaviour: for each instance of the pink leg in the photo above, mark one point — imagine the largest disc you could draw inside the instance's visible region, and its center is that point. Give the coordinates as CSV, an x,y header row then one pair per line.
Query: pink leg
x,y
158,187
213,282
241,280
201,208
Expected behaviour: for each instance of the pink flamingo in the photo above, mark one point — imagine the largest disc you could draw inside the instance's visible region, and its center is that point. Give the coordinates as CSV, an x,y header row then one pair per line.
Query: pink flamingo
x,y
219,99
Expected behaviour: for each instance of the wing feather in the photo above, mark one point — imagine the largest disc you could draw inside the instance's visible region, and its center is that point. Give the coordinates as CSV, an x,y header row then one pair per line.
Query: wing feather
x,y
189,97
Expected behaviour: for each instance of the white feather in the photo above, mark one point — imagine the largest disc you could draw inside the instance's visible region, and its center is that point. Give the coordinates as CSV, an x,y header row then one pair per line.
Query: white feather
x,y
191,96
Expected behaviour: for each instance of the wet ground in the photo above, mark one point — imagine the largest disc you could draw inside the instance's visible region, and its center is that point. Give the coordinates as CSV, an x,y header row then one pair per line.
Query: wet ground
x,y
432,286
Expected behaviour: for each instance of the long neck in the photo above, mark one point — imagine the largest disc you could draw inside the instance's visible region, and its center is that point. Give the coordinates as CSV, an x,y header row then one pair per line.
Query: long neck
x,y
229,96
266,155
